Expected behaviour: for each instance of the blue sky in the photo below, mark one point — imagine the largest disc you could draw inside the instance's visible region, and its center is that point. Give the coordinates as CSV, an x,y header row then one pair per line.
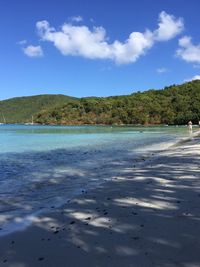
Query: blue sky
x,y
97,47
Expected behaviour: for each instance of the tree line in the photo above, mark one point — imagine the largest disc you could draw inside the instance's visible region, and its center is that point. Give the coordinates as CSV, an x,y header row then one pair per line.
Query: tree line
x,y
176,104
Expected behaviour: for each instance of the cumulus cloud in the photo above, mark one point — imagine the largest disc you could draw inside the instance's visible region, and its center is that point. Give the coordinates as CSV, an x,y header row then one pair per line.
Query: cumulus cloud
x,y
93,43
161,70
188,51
76,19
22,42
195,77
168,27
33,51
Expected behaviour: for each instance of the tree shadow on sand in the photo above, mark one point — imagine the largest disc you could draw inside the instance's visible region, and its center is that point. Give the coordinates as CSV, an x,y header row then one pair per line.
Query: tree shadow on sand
x,y
149,215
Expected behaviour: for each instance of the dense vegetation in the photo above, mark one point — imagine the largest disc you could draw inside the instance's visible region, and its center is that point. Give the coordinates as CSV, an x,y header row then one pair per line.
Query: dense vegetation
x,y
21,109
176,104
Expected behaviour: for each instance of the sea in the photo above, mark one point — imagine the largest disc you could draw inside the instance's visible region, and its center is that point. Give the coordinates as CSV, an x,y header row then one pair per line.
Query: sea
x,y
43,167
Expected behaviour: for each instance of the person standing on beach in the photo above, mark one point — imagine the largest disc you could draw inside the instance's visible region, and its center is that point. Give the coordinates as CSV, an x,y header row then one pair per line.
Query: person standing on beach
x,y
190,125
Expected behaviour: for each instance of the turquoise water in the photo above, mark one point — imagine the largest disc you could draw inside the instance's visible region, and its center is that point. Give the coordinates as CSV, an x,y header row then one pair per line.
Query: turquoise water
x,y
41,167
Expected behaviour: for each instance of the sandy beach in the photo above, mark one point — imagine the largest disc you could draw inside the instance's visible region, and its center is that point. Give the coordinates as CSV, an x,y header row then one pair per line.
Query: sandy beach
x,y
149,215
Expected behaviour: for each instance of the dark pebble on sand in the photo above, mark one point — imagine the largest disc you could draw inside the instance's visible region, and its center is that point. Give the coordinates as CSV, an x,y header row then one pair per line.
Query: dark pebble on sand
x,y
40,259
88,218
4,261
52,207
12,242
105,213
72,222
134,213
56,232
136,238
108,198
178,201
141,225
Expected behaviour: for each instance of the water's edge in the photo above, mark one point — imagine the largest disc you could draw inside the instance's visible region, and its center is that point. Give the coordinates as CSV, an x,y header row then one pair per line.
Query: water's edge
x,y
110,169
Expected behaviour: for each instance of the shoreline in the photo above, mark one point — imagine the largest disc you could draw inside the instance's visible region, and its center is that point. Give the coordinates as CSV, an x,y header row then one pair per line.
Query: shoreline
x,y
147,216
100,125
139,158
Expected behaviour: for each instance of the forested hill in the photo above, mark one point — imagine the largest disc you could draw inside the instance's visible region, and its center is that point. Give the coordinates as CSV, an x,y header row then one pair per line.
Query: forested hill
x,y
21,109
172,105
176,104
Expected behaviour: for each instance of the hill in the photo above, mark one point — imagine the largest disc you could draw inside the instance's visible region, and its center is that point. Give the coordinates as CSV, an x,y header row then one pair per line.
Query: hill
x,y
21,109
176,104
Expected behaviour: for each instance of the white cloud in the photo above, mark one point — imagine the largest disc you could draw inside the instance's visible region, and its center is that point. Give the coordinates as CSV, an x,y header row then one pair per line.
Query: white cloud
x,y
33,51
195,77
188,51
76,19
161,70
22,42
168,27
93,44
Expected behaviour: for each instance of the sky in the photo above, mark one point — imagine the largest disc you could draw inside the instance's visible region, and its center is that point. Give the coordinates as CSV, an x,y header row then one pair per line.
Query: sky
x,y
97,47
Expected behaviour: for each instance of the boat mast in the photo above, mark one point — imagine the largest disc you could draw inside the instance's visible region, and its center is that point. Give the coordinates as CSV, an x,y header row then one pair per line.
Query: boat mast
x,y
4,119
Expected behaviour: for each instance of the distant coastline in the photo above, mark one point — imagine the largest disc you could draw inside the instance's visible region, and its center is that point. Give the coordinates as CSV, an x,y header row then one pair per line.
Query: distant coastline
x,y
173,105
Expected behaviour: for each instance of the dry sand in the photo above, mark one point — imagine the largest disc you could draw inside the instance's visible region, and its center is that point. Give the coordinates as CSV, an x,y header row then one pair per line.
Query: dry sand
x,y
148,216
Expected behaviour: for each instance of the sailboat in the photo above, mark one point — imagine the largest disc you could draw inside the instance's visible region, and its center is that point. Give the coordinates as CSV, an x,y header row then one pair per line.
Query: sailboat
x,y
4,120
30,123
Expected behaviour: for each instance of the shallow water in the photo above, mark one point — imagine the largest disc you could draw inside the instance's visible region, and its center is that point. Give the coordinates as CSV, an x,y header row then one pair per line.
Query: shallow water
x,y
41,167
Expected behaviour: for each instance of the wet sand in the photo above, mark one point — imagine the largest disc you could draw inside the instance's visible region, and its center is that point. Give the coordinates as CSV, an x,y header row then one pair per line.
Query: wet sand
x,y
147,216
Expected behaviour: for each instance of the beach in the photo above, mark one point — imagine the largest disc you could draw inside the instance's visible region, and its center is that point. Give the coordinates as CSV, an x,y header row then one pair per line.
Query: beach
x,y
100,133
149,215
